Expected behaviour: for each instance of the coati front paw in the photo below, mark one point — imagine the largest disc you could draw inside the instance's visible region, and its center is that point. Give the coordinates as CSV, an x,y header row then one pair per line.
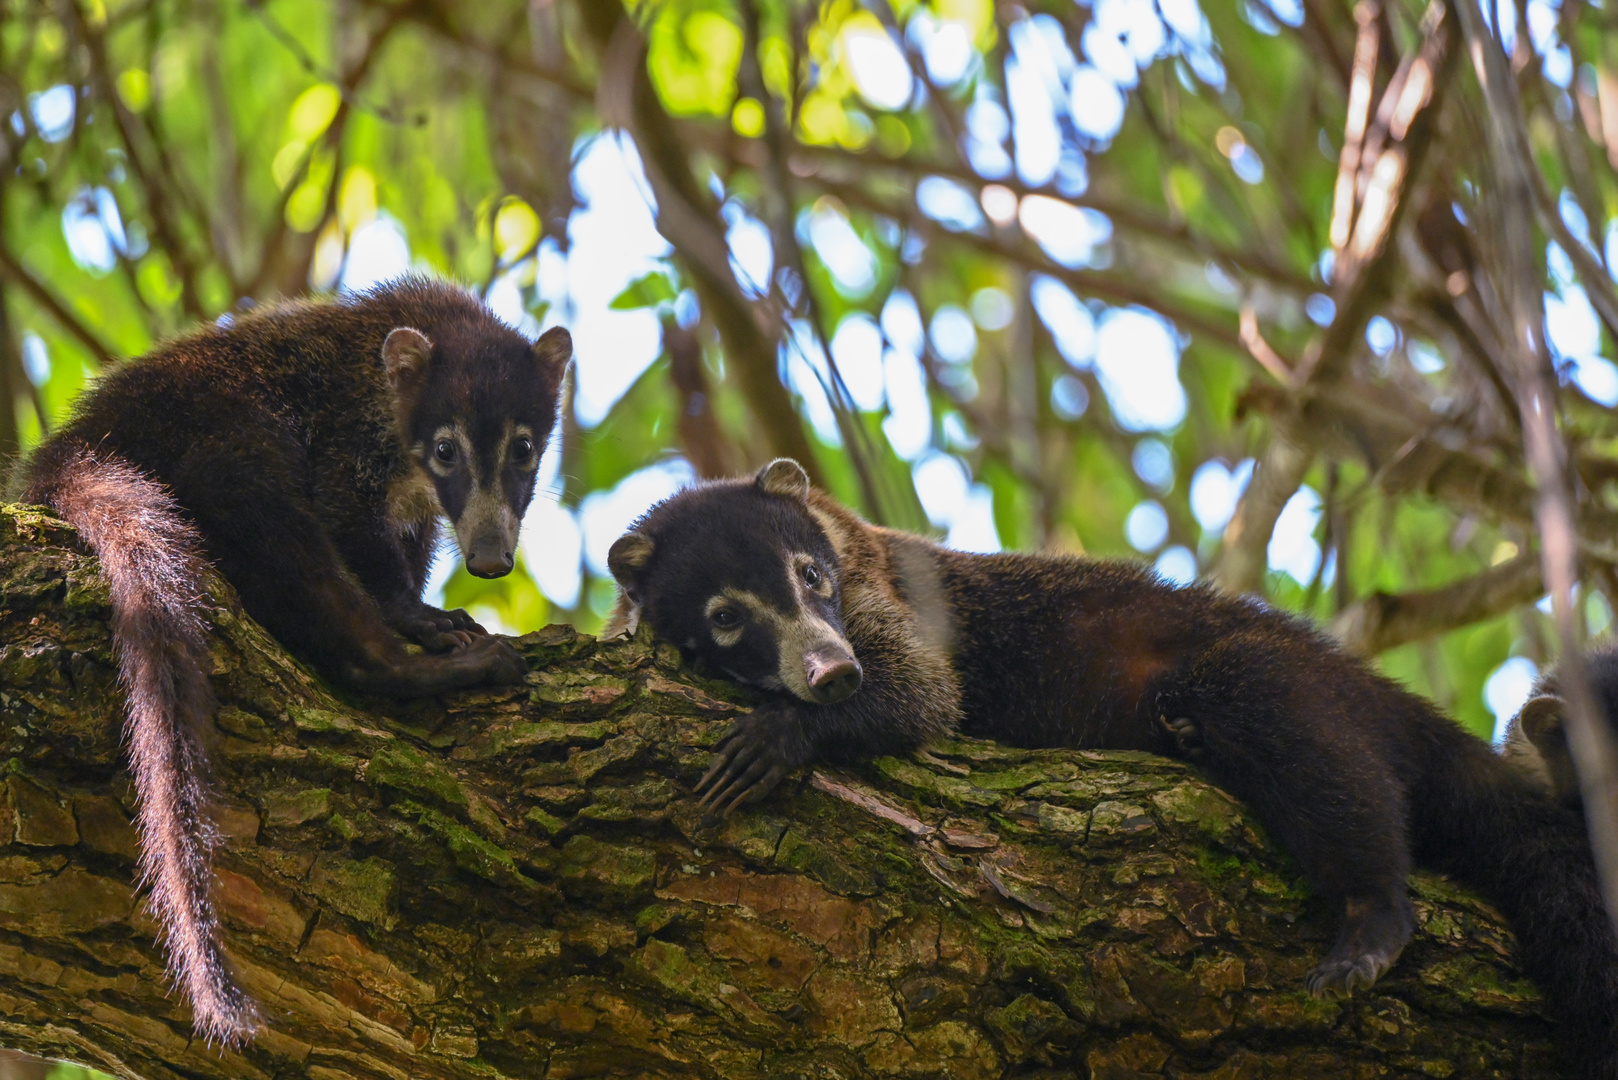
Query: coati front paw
x,y
757,753
432,628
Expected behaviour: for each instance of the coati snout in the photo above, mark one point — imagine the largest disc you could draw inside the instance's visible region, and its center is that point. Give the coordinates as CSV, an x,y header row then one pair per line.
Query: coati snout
x,y
474,435
832,672
760,603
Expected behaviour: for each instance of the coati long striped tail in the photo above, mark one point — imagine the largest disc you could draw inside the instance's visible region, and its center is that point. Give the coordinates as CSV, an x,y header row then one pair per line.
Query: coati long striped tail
x,y
151,559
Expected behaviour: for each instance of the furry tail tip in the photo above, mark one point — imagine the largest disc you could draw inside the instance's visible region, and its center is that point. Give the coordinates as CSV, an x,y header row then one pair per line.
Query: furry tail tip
x,y
151,558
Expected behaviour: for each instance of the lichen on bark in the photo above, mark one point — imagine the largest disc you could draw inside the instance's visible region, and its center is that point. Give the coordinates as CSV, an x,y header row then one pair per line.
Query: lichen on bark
x,y
516,882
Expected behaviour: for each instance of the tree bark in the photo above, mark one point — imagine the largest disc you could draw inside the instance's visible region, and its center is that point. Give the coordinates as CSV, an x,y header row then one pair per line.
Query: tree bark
x,y
515,882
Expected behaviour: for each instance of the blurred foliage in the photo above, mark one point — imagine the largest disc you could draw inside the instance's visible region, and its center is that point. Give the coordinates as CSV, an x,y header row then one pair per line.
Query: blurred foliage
x,y
232,152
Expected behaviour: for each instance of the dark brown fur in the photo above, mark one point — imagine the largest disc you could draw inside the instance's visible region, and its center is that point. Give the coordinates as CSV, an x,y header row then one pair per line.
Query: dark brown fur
x,y
1358,778
290,452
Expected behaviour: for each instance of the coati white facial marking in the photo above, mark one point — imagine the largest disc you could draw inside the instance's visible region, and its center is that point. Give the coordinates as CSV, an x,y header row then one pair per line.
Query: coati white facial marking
x,y
814,661
760,604
726,620
413,501
480,454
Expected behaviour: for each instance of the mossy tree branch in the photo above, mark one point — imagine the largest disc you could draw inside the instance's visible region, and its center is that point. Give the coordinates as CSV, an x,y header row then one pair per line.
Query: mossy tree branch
x,y
516,883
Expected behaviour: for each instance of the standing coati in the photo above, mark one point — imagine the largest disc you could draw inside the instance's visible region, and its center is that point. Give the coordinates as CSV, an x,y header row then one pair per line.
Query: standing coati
x,y
876,641
1536,738
307,450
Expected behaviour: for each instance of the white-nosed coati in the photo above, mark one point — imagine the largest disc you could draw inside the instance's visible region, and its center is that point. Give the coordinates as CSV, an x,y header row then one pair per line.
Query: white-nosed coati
x,y
875,641
1536,738
307,450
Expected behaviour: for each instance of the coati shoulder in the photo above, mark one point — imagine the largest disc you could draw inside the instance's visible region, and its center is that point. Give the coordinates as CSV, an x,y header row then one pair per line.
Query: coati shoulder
x,y
868,641
308,451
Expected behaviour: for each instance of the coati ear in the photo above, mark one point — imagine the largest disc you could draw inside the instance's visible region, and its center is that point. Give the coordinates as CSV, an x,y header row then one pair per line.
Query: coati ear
x,y
554,348
1541,720
404,355
784,477
627,557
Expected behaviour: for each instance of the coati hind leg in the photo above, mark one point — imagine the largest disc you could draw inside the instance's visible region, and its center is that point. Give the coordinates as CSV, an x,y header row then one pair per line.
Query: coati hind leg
x,y
1269,731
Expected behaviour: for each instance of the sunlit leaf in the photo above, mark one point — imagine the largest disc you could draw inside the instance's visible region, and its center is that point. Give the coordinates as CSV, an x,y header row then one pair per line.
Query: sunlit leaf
x,y
644,292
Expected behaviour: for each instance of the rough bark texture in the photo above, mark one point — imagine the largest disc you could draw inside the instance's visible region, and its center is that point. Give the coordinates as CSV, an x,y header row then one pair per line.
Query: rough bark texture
x,y
516,883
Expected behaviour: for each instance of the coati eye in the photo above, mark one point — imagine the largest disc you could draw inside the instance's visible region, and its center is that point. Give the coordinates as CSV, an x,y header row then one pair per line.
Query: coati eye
x,y
811,574
445,451
725,617
522,449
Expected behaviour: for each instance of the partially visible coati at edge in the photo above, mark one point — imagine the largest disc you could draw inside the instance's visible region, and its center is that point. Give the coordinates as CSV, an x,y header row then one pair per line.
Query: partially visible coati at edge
x,y
307,450
1536,738
875,641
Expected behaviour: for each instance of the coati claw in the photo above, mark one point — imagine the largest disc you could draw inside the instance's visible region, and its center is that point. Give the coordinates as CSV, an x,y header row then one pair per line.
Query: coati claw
x,y
1375,931
1342,978
751,759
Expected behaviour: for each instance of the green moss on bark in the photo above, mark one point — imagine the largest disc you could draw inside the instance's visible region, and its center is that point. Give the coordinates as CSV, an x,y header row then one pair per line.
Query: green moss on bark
x,y
516,882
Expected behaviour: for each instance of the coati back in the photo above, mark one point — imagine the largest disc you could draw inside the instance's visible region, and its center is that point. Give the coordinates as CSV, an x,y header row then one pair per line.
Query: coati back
x,y
872,641
1536,738
307,450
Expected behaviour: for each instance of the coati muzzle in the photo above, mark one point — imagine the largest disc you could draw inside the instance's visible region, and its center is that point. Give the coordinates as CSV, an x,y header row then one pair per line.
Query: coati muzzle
x,y
832,673
486,532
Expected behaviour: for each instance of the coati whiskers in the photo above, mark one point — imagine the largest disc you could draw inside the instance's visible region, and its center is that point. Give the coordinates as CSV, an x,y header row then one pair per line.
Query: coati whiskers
x,y
1356,777
307,450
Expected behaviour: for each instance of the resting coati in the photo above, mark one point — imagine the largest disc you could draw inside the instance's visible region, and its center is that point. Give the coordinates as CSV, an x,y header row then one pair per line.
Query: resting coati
x,y
875,641
1536,738
307,451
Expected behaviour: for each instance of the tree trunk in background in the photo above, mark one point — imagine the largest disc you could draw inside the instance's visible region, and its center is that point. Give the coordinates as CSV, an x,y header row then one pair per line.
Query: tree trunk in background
x,y
516,883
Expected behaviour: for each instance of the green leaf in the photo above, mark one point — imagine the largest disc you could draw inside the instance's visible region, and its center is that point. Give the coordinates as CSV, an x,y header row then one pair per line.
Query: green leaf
x,y
644,292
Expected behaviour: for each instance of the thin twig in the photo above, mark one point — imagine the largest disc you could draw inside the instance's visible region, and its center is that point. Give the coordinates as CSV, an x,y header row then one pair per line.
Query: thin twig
x,y
46,299
1594,753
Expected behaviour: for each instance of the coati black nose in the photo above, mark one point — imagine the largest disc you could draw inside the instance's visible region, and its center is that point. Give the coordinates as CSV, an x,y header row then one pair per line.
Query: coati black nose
x,y
833,674
489,560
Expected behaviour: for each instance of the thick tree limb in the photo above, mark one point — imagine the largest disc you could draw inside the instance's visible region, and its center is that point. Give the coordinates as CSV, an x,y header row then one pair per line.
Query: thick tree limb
x,y
516,883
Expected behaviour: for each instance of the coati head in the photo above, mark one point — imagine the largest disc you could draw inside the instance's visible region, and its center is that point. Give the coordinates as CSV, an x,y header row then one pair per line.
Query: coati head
x,y
474,407
1536,739
739,574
